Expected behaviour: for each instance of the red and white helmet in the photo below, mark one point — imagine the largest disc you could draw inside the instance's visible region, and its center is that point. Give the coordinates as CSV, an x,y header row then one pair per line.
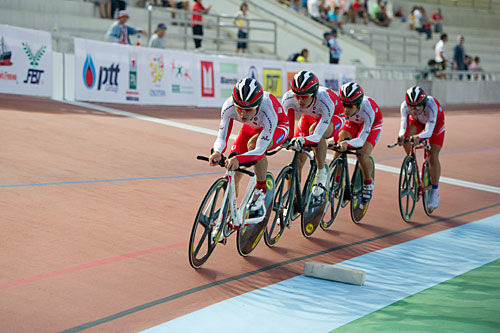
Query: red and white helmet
x,y
416,96
305,83
247,93
351,93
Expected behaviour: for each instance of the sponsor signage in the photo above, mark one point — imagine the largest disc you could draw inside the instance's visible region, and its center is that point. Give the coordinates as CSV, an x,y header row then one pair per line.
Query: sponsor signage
x,y
25,61
207,79
272,81
229,76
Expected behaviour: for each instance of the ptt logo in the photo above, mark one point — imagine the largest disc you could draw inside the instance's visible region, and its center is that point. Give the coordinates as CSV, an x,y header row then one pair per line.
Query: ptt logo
x,y
108,76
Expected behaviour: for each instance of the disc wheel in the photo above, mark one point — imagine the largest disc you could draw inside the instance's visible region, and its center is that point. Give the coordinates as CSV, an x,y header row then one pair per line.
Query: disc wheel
x,y
358,208
408,188
335,193
281,212
205,231
426,183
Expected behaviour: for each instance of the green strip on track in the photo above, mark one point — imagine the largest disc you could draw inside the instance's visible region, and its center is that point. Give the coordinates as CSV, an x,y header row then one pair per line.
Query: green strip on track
x,y
467,303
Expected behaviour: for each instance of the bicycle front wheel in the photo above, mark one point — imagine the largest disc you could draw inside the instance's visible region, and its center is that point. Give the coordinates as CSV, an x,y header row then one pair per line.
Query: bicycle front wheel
x,y
207,226
335,193
408,187
427,184
281,207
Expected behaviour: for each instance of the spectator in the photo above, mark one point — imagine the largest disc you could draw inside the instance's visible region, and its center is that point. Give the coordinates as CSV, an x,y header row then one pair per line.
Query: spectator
x,y
433,69
242,23
175,5
379,16
295,5
119,32
437,19
196,22
459,54
314,8
156,40
334,46
399,13
117,5
425,24
439,52
333,18
357,9
303,57
415,17
104,7
475,66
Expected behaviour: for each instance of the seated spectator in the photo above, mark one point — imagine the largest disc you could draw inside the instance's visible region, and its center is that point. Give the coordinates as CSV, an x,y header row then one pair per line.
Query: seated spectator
x,y
356,10
437,20
415,16
433,68
315,8
303,57
119,32
333,18
378,14
295,5
425,24
475,66
156,40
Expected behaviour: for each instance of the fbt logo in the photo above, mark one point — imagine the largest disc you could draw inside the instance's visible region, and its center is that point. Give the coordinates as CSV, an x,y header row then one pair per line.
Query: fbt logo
x,y
34,75
207,79
108,76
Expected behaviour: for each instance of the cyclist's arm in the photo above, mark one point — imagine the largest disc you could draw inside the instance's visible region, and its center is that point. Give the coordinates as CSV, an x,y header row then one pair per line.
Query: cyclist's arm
x,y
291,122
364,132
323,123
261,145
225,127
404,119
431,123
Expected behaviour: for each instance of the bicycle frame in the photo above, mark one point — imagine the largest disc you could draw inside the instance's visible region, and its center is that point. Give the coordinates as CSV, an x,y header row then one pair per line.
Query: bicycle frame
x,y
426,147
230,196
300,193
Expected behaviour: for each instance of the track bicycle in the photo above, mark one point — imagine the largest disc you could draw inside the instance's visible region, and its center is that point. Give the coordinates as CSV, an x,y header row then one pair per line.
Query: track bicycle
x,y
289,200
412,183
345,190
219,216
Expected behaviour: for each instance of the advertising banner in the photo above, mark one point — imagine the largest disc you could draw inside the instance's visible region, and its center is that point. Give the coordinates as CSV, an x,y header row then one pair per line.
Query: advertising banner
x,y
25,61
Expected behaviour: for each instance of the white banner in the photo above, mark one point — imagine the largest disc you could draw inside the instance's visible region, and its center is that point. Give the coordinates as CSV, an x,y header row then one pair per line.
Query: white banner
x,y
25,61
116,73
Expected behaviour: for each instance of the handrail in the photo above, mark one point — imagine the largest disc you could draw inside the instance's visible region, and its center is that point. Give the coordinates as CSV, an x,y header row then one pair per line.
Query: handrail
x,y
393,72
183,18
286,22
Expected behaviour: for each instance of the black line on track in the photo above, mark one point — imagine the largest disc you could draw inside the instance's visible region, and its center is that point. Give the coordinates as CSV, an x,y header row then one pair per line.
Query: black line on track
x,y
247,274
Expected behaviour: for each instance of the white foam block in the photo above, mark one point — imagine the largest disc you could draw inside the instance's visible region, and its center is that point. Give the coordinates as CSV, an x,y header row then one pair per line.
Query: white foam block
x,y
335,273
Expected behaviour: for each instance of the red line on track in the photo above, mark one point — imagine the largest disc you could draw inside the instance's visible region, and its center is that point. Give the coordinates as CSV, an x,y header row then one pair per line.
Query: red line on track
x,y
89,265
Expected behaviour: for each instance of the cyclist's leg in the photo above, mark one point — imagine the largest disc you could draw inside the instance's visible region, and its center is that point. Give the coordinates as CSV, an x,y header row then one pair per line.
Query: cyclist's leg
x,y
412,128
436,142
320,150
240,146
303,130
365,163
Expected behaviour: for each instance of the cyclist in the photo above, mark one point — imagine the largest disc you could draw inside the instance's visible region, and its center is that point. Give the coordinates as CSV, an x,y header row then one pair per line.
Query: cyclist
x,y
265,127
322,117
424,115
361,130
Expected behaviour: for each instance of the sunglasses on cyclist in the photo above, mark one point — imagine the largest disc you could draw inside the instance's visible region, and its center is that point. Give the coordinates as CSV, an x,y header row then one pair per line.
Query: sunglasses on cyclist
x,y
348,106
247,110
303,97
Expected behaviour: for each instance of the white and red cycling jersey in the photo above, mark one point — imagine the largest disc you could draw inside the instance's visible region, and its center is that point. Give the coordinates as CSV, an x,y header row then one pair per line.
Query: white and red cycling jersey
x,y
432,117
270,121
365,125
325,108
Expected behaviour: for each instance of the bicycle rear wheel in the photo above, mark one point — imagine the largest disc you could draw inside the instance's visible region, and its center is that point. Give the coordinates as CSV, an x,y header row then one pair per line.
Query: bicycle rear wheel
x,y
314,206
281,207
249,236
358,209
335,193
205,231
426,183
408,187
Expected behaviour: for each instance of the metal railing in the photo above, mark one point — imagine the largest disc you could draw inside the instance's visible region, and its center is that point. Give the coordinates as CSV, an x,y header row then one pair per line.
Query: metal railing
x,y
223,25
492,5
402,73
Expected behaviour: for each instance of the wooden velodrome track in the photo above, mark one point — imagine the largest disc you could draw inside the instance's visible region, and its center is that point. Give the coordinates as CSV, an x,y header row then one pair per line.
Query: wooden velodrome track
x,y
96,211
